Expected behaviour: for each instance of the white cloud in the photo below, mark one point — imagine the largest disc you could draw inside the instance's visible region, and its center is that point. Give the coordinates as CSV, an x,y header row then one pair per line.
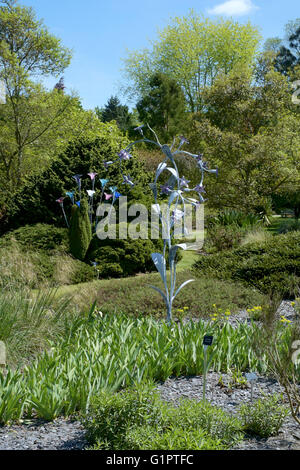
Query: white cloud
x,y
233,8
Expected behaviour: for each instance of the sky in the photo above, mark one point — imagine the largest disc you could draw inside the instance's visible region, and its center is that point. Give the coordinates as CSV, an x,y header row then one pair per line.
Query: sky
x,y
100,31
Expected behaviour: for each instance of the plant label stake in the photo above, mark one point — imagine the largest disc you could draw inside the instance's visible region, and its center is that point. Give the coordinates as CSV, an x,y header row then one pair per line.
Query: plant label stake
x,y
2,355
251,377
207,341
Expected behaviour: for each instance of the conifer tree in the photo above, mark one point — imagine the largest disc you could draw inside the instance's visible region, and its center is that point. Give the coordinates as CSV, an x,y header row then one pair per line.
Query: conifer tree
x,y
80,232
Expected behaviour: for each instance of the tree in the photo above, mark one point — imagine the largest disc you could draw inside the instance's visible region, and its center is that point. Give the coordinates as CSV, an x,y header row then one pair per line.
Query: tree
x,y
163,108
27,51
250,133
115,111
80,233
35,199
192,50
287,50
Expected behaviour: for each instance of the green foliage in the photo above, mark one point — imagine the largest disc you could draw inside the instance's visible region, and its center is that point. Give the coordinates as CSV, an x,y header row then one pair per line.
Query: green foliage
x,y
264,417
36,199
27,324
117,257
289,199
38,237
140,420
250,133
30,114
35,255
223,237
163,108
289,57
80,233
175,438
114,352
227,229
110,415
127,295
193,50
289,226
115,111
241,219
273,265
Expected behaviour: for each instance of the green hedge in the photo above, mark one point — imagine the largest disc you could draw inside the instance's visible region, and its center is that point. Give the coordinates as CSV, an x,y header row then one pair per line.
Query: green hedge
x,y
273,265
38,237
118,258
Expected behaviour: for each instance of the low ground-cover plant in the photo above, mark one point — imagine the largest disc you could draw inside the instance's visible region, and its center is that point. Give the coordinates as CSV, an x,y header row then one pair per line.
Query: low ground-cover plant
x,y
127,296
38,237
289,226
138,419
105,352
273,265
264,417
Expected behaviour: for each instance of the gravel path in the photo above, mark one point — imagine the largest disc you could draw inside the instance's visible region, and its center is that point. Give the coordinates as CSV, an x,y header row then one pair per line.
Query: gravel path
x,y
60,434
63,434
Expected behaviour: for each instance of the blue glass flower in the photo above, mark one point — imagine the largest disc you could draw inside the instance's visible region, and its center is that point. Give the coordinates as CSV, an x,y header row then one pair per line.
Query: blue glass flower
x,y
165,189
127,180
123,155
103,182
70,194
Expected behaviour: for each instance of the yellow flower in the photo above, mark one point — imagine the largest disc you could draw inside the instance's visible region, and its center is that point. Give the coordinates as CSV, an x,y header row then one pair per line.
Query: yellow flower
x,y
185,308
214,305
284,320
180,310
293,304
227,312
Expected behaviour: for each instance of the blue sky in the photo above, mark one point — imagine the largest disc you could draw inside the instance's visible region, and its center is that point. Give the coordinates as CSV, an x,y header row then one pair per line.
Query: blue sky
x,y
100,31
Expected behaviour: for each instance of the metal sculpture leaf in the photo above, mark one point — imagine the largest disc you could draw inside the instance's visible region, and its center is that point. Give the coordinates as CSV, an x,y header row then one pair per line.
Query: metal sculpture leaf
x,y
160,264
181,287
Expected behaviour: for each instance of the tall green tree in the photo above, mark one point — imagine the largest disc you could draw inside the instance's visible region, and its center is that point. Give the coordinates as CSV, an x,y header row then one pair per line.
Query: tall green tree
x,y
115,111
192,50
164,107
80,233
27,51
251,134
287,50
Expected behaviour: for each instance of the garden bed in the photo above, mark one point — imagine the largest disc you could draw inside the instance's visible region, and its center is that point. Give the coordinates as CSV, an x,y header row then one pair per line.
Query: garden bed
x,y
66,434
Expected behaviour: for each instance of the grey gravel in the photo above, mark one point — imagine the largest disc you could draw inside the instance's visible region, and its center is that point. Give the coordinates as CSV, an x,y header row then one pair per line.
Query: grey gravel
x,y
61,434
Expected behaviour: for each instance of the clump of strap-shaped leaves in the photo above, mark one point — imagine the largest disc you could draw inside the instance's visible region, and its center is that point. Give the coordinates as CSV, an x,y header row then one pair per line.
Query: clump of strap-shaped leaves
x,y
178,191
